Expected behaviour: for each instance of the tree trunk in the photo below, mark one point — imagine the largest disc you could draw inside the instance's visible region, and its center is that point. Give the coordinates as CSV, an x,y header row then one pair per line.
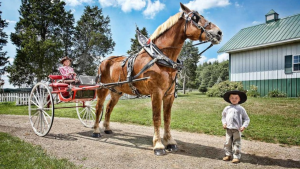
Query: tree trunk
x,y
184,83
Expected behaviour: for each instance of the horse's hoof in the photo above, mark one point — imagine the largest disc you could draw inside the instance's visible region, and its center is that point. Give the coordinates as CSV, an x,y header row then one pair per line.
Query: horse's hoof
x,y
172,147
159,152
96,135
108,132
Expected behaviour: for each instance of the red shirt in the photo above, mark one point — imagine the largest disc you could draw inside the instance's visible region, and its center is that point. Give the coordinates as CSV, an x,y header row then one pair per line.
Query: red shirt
x,y
65,70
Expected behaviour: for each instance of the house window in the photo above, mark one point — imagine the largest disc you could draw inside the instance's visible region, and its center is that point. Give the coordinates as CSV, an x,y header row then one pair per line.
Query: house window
x,y
296,64
288,64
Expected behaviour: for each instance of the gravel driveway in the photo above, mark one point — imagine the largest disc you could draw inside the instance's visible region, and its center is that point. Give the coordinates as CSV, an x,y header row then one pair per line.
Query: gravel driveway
x,y
130,146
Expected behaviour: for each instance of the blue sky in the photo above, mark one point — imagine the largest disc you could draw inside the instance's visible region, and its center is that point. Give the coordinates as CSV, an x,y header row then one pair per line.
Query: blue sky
x,y
230,15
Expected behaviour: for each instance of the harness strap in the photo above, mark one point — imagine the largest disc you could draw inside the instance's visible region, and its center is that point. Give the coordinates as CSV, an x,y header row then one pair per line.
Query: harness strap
x,y
173,82
147,66
130,64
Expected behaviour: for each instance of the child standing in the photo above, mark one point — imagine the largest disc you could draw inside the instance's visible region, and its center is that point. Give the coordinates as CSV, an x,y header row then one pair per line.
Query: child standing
x,y
234,119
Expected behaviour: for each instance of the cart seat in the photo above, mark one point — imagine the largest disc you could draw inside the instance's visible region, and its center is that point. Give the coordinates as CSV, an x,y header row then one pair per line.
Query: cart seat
x,y
58,85
55,77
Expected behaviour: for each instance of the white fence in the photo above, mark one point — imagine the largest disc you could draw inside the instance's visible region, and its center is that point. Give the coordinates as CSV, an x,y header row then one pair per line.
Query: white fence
x,y
19,98
22,98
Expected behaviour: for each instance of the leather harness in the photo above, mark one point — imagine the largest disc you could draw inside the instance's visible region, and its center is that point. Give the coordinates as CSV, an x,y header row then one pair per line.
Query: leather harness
x,y
157,55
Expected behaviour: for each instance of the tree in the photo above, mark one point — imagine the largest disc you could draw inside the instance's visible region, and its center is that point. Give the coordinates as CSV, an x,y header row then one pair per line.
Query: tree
x,y
135,45
210,74
3,41
38,37
189,56
67,34
93,40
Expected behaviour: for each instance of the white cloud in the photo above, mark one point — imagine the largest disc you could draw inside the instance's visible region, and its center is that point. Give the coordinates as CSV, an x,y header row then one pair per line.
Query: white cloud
x,y
107,3
11,22
212,60
11,60
222,57
201,5
237,5
126,5
255,22
77,2
202,60
153,8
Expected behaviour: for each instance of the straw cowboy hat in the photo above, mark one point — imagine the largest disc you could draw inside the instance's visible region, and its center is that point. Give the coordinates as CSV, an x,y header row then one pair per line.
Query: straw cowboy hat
x,y
65,58
243,96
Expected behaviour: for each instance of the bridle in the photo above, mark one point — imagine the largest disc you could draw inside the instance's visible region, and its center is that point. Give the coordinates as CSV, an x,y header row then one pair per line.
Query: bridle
x,y
195,19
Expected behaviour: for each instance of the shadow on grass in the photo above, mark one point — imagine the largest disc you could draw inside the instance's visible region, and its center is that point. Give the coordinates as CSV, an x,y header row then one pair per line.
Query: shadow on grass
x,y
132,140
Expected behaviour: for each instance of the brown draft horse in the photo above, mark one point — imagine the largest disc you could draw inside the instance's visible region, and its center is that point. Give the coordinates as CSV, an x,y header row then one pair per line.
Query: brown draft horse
x,y
169,38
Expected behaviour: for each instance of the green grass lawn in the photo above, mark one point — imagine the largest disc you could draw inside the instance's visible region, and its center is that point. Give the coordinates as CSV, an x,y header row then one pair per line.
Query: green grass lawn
x,y
275,120
15,153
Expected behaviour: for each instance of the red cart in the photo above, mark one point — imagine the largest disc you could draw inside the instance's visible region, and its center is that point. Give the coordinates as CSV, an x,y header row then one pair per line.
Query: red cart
x,y
44,96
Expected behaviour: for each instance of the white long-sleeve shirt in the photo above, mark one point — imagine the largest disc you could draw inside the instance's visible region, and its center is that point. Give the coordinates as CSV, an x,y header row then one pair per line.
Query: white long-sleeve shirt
x,y
235,117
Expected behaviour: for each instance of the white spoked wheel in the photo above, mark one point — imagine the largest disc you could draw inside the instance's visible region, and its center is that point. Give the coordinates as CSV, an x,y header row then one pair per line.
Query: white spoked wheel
x,y
87,114
41,109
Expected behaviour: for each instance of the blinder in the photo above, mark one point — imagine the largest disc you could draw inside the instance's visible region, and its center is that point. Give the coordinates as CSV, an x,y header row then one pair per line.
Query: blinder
x,y
195,18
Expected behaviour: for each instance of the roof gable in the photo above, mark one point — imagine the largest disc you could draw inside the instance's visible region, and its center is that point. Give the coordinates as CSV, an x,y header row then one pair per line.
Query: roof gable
x,y
285,29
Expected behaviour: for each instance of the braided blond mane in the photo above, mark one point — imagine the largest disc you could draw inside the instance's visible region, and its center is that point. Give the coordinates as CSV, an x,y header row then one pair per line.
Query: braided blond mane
x,y
166,25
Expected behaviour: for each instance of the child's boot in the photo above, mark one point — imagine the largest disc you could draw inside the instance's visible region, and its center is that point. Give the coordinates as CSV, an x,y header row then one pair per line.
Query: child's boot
x,y
235,160
227,158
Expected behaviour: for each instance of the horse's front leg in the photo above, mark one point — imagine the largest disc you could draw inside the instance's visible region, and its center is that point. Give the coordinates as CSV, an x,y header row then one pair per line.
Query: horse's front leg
x,y
101,95
168,140
158,147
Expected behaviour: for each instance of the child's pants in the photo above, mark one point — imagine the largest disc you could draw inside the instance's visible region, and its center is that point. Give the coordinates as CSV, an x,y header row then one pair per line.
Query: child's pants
x,y
232,145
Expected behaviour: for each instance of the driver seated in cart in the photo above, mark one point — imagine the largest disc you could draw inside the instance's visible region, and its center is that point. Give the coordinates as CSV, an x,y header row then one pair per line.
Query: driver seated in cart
x,y
67,72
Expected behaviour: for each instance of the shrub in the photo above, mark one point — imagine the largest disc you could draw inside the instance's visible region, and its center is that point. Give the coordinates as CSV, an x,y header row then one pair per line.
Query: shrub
x,y
253,91
218,90
202,89
276,93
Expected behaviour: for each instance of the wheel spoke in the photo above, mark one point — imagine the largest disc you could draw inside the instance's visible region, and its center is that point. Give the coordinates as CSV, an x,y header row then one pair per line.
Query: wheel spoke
x,y
92,113
81,111
45,117
46,114
47,102
34,103
42,124
84,115
35,98
35,114
38,120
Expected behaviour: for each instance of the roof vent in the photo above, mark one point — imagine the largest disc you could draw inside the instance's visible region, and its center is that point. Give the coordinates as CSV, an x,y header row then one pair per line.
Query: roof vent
x,y
271,16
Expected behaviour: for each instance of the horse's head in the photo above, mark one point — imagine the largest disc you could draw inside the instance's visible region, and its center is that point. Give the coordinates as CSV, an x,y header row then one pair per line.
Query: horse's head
x,y
198,28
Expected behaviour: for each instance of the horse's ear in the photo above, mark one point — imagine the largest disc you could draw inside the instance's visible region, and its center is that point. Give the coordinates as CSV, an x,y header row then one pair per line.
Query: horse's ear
x,y
184,8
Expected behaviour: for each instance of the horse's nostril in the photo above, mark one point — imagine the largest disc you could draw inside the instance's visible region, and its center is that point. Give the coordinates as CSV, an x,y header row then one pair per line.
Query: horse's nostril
x,y
219,32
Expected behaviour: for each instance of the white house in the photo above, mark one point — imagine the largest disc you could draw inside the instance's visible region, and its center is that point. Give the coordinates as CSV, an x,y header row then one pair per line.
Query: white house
x,y
267,55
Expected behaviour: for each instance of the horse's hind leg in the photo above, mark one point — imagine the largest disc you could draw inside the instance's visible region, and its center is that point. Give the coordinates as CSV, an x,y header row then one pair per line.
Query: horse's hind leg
x,y
101,95
109,107
168,141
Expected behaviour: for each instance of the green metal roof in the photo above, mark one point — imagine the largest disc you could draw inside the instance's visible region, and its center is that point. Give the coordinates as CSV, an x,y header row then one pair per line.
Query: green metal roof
x,y
267,34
